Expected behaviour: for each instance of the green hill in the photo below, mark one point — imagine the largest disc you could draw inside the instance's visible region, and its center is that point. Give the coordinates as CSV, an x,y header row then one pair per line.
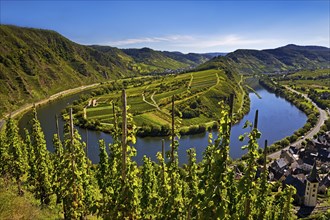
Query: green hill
x,y
37,63
148,60
283,59
192,59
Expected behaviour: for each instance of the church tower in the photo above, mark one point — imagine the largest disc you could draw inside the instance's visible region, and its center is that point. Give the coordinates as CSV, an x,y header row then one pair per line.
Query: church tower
x,y
311,188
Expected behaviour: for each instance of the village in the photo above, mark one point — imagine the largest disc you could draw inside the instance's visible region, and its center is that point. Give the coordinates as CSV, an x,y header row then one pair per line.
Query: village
x,y
307,168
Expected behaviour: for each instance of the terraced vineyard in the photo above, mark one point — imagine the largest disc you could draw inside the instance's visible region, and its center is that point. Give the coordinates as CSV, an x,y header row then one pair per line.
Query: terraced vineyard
x,y
197,95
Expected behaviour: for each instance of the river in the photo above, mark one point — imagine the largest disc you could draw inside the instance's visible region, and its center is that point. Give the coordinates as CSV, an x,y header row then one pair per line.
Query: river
x,y
278,118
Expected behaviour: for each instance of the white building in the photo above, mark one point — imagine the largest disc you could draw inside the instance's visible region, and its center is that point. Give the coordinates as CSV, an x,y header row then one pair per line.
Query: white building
x,y
311,188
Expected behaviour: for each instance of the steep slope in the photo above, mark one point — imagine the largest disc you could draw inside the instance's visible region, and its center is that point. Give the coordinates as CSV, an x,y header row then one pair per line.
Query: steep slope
x,y
283,59
36,63
192,59
302,56
149,60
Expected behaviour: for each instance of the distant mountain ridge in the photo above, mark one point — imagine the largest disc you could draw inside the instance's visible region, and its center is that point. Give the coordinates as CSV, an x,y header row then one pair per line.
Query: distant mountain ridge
x,y
36,63
164,60
288,58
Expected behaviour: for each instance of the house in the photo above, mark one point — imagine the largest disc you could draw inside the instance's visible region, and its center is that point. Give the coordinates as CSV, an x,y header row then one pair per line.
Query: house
x,y
279,167
297,171
293,150
281,164
323,155
306,164
324,184
288,156
300,186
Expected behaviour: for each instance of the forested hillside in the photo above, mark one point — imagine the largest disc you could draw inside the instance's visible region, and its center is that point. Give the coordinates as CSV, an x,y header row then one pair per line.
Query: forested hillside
x,y
36,63
282,59
149,60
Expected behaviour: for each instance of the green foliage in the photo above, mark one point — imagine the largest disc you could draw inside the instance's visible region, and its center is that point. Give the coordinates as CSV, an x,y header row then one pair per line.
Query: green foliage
x,y
25,206
149,193
196,93
300,102
78,192
3,154
192,180
205,190
17,164
216,197
32,168
282,59
102,173
58,164
42,187
248,187
37,63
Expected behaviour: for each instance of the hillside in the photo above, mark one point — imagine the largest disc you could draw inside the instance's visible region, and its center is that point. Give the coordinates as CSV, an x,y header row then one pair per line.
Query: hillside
x,y
148,60
193,59
197,95
283,59
37,63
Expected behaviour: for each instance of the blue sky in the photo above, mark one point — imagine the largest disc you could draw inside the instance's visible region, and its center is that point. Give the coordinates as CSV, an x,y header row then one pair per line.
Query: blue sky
x,y
186,26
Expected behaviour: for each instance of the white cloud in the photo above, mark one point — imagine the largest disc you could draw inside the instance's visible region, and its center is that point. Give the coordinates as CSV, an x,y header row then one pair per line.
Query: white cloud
x,y
132,41
203,43
225,41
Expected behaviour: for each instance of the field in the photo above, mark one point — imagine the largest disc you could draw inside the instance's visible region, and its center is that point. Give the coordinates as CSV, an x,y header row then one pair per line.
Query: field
x,y
309,79
314,83
196,99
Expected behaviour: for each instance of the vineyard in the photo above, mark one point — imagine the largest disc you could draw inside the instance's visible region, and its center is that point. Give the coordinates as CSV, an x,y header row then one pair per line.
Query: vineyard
x,y
314,83
67,185
196,94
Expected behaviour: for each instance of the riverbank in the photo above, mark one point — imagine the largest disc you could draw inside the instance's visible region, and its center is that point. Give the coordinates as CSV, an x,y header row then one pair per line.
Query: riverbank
x,y
29,106
323,116
271,108
196,103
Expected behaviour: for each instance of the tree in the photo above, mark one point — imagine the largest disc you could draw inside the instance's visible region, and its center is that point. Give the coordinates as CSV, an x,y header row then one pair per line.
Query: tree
x,y
32,169
131,184
263,201
215,165
17,164
149,193
43,187
58,163
78,194
4,157
102,174
192,180
247,184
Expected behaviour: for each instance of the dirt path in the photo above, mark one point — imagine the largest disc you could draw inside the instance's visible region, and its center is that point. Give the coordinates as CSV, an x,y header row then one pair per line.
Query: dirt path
x,y
149,103
153,100
323,116
243,94
197,94
190,82
44,101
